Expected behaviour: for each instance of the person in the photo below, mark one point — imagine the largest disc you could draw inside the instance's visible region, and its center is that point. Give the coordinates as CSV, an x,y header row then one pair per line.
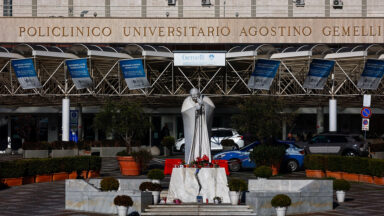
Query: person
x,y
290,137
164,131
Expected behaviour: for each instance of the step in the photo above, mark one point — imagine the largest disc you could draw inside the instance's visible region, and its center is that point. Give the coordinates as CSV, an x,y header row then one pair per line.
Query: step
x,y
200,213
197,206
195,210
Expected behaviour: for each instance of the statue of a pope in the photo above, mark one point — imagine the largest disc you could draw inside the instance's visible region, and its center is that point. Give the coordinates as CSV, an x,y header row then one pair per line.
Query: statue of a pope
x,y
197,112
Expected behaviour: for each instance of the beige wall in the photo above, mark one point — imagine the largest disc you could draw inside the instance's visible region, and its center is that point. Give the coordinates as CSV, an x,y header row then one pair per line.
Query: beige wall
x,y
312,8
22,8
243,7
351,8
121,8
97,6
159,8
266,8
375,8
193,8
52,8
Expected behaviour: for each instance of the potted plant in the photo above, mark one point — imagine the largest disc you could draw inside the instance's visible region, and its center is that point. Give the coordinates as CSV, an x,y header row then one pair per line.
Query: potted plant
x,y
109,184
94,166
156,189
128,165
314,166
128,121
235,187
228,144
217,200
58,169
341,186
362,168
122,202
156,175
280,202
142,157
350,165
268,154
42,168
12,172
168,142
263,172
377,169
334,166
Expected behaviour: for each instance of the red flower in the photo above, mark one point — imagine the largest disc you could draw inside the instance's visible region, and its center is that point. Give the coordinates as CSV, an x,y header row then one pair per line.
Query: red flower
x,y
205,158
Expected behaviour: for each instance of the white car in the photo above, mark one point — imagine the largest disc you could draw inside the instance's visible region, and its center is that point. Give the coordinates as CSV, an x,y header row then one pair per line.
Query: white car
x,y
218,134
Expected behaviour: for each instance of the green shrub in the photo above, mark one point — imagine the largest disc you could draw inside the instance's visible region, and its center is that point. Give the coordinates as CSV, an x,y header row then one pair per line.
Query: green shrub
x,y
12,169
40,167
341,185
95,163
376,167
333,163
314,162
263,172
362,166
57,165
267,155
123,200
123,153
146,186
109,184
236,184
281,200
156,174
168,141
142,157
82,163
227,142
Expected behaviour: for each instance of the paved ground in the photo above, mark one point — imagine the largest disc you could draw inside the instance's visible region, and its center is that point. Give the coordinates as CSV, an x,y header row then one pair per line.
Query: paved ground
x,y
48,198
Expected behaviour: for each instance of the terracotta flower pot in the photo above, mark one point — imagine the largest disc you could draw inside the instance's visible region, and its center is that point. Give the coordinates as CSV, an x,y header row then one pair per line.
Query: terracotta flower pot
x,y
336,175
43,178
72,175
13,181
28,179
275,169
351,177
128,166
59,176
314,173
84,174
365,179
93,174
378,180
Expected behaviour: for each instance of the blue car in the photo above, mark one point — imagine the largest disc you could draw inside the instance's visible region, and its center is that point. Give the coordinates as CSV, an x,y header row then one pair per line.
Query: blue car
x,y
293,159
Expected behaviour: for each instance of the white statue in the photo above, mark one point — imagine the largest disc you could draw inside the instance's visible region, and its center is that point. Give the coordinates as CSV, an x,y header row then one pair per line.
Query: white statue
x,y
197,112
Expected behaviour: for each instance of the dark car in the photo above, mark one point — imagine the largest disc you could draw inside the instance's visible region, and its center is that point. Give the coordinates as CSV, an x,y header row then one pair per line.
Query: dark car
x,y
336,143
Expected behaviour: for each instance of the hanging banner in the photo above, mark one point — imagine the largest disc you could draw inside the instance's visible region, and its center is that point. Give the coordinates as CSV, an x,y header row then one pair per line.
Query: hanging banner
x,y
134,74
263,74
319,71
26,73
199,59
78,68
372,74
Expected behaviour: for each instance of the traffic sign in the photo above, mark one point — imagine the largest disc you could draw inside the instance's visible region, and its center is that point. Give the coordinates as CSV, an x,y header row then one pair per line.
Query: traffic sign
x,y
366,112
365,124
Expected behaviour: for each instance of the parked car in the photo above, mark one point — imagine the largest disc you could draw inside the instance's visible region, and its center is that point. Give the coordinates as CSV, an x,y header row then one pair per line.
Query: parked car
x,y
218,134
336,143
293,159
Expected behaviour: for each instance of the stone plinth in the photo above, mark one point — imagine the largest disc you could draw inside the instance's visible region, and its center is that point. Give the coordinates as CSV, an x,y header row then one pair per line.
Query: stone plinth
x,y
35,154
83,196
306,195
184,185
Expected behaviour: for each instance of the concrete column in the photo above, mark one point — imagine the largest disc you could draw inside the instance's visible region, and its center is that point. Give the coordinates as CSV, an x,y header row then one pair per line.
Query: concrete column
x,y
34,8
290,8
320,120
364,8
9,119
180,8
107,8
217,8
332,115
284,130
327,8
143,8
65,120
70,8
253,8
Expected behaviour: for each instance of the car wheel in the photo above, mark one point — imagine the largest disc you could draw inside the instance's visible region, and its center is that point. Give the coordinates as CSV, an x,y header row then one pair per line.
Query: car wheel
x,y
350,153
292,166
234,165
182,149
235,147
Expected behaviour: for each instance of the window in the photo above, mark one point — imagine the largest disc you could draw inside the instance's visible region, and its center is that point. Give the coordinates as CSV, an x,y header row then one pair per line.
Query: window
x,y
7,8
222,133
319,139
338,139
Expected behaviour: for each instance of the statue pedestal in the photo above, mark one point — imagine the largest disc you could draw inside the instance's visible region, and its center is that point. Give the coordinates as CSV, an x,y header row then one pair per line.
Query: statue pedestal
x,y
184,185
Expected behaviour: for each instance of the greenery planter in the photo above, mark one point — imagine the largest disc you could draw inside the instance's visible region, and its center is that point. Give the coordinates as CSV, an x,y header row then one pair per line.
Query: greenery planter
x,y
13,181
378,180
314,173
366,179
84,174
28,180
336,175
351,177
275,169
128,166
72,175
43,178
59,176
340,196
35,154
93,174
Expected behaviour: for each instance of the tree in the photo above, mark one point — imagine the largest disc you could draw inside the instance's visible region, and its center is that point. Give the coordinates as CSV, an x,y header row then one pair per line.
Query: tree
x,y
261,117
125,119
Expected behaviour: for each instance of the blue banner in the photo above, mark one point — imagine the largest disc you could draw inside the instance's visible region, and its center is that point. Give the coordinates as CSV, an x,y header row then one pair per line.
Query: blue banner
x,y
372,74
78,69
134,73
319,71
26,73
263,74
